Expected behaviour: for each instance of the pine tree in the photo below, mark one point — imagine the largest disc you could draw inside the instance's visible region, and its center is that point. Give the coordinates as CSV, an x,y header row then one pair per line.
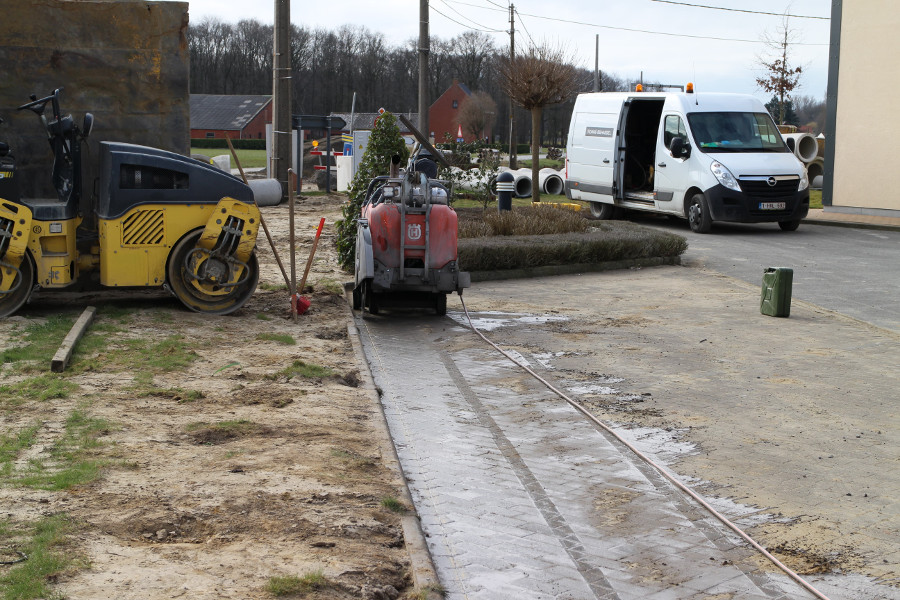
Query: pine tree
x,y
384,143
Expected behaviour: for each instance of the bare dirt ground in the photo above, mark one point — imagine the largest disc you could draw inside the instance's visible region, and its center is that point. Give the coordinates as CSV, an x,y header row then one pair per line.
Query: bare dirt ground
x,y
230,470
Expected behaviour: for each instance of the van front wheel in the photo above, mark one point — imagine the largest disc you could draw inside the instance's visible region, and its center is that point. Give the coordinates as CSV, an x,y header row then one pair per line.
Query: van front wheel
x,y
789,225
603,211
698,214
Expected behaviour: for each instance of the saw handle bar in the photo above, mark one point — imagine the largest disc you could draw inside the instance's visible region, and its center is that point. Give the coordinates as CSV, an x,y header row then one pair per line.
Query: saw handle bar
x,y
37,105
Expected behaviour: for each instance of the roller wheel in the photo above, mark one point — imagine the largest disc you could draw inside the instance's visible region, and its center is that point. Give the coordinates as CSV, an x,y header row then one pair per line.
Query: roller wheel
x,y
205,297
789,225
440,304
23,282
602,210
698,214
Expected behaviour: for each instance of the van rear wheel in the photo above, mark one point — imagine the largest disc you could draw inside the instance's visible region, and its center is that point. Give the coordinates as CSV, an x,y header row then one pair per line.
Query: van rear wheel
x,y
698,214
601,210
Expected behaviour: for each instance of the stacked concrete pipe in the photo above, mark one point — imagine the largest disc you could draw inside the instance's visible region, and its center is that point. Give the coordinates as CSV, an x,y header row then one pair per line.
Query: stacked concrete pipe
x,y
550,181
803,145
522,183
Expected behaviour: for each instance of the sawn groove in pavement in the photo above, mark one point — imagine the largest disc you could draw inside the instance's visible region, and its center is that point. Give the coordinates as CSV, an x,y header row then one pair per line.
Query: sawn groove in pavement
x,y
521,497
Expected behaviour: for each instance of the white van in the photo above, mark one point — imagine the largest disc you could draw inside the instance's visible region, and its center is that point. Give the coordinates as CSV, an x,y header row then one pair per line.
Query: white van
x,y
704,157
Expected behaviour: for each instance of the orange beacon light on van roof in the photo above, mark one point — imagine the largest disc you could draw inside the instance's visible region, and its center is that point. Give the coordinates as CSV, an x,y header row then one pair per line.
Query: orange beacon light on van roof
x,y
689,88
639,88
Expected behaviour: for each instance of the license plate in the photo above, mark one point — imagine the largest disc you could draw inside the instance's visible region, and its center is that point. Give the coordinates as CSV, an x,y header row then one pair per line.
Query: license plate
x,y
772,206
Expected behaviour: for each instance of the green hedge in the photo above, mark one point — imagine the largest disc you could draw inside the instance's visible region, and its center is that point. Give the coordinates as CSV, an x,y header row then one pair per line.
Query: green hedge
x,y
607,241
221,143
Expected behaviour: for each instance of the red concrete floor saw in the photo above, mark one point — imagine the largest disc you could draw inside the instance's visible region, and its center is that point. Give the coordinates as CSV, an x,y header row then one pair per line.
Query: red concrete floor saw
x,y
406,237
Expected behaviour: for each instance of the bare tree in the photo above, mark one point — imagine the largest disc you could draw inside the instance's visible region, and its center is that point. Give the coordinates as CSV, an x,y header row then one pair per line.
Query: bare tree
x,y
477,114
780,77
542,77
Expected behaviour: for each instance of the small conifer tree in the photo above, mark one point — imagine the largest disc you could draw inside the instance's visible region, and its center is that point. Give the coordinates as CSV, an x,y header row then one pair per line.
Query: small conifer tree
x,y
384,143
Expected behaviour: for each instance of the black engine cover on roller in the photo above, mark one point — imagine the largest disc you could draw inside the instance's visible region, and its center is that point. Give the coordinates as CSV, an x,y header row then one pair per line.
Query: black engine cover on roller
x,y
133,175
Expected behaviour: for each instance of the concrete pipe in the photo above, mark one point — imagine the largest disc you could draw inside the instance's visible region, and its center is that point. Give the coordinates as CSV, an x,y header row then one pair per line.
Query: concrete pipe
x,y
550,181
467,183
266,192
815,169
803,145
523,183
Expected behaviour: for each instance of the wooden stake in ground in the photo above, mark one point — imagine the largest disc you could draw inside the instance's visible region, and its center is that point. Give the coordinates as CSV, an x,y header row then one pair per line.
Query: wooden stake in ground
x,y
64,354
261,220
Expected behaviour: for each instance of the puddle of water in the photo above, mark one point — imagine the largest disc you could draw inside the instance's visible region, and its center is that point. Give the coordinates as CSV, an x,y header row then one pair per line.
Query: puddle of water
x,y
492,319
602,390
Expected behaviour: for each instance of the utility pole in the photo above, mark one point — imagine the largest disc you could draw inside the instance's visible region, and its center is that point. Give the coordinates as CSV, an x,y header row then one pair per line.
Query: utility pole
x,y
424,46
281,92
512,58
597,64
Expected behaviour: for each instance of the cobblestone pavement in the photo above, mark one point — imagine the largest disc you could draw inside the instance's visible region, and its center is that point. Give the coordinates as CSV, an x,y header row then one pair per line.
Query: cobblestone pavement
x,y
522,497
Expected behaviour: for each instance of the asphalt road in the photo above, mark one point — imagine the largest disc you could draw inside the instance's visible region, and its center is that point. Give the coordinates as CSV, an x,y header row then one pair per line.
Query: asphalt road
x,y
853,271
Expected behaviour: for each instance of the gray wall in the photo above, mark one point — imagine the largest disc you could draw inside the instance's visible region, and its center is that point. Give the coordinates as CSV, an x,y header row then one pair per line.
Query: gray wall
x,y
126,61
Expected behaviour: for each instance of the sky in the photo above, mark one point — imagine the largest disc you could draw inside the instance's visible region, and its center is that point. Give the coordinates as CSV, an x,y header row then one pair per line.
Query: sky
x,y
663,49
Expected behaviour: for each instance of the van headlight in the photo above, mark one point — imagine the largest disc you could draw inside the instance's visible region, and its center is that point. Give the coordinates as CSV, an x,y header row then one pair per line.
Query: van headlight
x,y
724,176
804,181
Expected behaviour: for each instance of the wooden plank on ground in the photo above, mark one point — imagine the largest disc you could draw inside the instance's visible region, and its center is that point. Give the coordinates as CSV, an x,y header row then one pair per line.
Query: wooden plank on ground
x,y
64,354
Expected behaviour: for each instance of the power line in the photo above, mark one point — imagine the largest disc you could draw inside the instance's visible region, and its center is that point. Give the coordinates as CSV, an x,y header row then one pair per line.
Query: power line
x,y
666,33
632,30
478,27
741,10
528,33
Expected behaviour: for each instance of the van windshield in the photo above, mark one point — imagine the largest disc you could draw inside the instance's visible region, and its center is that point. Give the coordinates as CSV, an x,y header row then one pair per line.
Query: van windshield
x,y
736,132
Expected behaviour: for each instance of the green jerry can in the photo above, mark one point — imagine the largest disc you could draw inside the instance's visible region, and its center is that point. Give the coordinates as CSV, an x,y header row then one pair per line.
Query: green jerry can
x,y
776,292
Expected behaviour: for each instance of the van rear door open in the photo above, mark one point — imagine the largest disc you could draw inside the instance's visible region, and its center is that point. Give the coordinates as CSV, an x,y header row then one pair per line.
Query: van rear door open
x,y
594,155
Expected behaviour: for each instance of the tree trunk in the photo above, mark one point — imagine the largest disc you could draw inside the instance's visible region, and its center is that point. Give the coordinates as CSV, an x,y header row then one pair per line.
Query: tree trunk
x,y
535,153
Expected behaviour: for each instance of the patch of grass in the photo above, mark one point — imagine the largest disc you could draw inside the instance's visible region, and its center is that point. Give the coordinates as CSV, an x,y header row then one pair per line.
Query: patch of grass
x,y
281,338
393,505
815,198
352,459
43,387
169,354
290,585
273,287
543,163
161,316
263,317
250,159
422,593
302,369
44,544
329,286
70,462
42,340
12,444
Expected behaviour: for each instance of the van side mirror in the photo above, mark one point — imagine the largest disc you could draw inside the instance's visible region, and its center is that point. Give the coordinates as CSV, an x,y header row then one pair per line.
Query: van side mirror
x,y
679,148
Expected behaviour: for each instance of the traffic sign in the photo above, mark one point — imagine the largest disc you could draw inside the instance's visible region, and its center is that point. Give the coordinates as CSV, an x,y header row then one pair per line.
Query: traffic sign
x,y
317,122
